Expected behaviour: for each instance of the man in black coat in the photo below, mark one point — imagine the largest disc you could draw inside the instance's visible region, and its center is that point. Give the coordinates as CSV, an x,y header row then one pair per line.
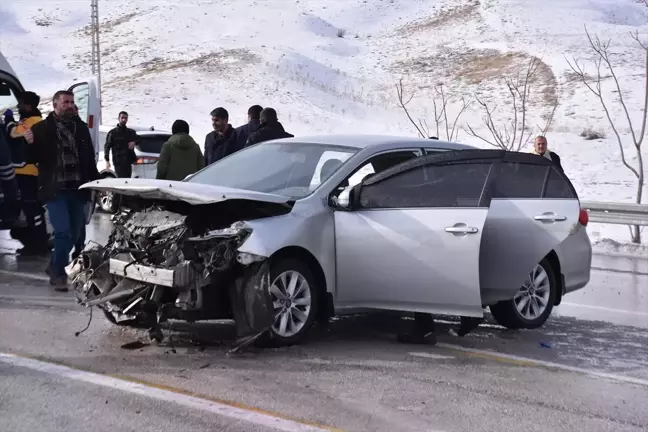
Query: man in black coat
x,y
243,132
269,129
121,140
222,141
540,148
62,147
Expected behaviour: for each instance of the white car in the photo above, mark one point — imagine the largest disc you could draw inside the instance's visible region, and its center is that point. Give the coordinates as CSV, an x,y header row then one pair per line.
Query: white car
x,y
147,150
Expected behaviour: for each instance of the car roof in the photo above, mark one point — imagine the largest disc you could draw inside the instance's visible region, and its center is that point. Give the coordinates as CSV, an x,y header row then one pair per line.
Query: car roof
x,y
383,141
141,130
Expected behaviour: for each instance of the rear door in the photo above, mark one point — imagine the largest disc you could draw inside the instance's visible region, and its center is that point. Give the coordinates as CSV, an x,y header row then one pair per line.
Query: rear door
x,y
523,226
414,242
87,99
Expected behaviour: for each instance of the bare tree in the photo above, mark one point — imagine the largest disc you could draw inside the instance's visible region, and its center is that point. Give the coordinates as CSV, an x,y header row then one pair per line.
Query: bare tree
x,y
441,119
637,134
510,136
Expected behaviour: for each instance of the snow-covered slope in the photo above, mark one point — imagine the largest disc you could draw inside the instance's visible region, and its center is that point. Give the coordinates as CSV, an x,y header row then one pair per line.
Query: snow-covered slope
x,y
332,66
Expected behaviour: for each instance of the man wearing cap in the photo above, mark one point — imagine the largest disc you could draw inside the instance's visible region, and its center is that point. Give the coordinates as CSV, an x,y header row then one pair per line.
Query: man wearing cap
x,y
33,237
222,141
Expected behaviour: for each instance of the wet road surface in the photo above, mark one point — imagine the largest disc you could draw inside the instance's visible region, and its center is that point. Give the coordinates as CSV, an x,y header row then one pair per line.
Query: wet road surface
x,y
586,369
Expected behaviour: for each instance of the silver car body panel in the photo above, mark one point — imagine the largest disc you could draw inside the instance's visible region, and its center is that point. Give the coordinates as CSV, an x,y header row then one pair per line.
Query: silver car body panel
x,y
575,257
518,234
191,193
410,260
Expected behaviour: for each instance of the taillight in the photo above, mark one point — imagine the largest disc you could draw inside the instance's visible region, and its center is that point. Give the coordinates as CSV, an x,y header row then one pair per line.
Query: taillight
x,y
145,160
90,121
583,217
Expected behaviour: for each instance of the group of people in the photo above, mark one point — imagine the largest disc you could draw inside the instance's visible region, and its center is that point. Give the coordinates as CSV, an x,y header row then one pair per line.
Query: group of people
x,y
50,159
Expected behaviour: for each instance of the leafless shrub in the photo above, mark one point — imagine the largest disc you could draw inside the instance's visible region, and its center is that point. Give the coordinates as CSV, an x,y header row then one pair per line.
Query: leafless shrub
x,y
341,33
590,134
441,120
637,133
511,136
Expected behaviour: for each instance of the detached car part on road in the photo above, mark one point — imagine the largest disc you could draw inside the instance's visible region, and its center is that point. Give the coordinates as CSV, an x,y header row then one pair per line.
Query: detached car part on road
x,y
289,231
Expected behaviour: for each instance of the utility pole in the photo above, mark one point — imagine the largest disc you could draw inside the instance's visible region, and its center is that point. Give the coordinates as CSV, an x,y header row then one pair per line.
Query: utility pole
x,y
96,47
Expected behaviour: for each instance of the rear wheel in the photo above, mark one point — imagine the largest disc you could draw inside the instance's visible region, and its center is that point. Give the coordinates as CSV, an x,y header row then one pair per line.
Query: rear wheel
x,y
108,201
532,305
295,298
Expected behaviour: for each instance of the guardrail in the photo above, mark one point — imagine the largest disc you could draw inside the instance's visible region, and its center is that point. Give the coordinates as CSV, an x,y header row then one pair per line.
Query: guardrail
x,y
616,213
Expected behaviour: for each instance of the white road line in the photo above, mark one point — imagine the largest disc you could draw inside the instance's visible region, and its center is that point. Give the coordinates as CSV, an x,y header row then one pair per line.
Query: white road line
x,y
603,308
25,275
430,355
249,415
522,361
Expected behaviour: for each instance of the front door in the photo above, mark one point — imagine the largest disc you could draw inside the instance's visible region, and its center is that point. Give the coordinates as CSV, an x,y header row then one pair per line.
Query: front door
x,y
413,241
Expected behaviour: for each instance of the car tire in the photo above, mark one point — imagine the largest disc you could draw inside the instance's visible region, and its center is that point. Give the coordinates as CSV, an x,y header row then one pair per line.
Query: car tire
x,y
525,310
295,312
107,201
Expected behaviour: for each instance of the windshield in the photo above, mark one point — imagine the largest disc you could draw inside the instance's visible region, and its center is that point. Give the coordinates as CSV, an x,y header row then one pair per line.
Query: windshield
x,y
290,169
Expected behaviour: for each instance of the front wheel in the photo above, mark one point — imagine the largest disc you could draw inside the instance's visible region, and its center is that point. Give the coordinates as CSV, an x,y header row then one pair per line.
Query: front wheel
x,y
295,301
533,303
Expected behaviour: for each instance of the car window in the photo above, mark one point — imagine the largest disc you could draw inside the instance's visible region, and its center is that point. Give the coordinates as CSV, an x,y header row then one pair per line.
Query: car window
x,y
519,180
7,98
558,186
435,150
329,162
151,143
445,185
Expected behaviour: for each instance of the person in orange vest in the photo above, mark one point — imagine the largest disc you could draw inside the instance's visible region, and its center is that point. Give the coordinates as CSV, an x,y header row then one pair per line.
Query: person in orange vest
x,y
34,236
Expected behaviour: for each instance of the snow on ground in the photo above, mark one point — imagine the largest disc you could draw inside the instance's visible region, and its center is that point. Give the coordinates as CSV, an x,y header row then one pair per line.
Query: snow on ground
x,y
331,66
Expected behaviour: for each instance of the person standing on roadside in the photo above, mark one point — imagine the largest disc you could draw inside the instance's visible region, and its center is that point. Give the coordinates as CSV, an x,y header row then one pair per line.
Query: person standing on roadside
x,y
243,132
269,129
180,155
222,141
62,148
121,140
540,148
34,236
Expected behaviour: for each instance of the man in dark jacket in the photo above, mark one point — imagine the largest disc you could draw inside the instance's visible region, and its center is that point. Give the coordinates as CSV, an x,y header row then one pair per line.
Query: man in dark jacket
x,y
222,141
269,129
180,155
34,235
540,148
121,140
243,132
62,148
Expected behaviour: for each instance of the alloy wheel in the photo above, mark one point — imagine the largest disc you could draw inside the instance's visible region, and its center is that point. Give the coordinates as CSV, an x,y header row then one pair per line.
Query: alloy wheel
x,y
533,298
291,300
106,201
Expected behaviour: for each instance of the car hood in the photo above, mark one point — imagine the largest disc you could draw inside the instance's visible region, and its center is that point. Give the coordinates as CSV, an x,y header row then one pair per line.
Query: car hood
x,y
191,193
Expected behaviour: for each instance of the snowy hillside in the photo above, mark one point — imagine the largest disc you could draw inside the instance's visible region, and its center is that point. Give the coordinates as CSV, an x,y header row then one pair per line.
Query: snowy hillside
x,y
332,66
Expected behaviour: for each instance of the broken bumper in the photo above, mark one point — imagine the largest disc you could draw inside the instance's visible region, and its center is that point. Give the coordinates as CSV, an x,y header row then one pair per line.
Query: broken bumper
x,y
174,277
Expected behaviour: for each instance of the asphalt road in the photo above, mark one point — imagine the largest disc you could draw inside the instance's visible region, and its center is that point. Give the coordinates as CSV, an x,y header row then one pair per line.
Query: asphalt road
x,y
587,369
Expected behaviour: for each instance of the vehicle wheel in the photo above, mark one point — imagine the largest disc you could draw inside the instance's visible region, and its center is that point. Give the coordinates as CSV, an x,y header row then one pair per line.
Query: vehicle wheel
x,y
295,297
532,305
108,202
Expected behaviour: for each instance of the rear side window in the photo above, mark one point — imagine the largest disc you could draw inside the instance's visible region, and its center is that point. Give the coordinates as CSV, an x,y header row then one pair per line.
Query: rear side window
x,y
558,186
151,143
519,180
451,185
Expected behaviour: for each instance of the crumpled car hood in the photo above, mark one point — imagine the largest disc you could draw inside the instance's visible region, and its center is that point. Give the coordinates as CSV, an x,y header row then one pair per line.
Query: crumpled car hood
x,y
191,193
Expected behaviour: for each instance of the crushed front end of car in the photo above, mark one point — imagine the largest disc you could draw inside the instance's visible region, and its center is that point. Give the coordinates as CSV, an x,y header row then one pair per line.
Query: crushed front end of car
x,y
169,260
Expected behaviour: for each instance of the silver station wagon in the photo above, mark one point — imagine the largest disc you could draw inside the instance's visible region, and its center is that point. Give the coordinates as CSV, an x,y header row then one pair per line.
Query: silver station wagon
x,y
291,231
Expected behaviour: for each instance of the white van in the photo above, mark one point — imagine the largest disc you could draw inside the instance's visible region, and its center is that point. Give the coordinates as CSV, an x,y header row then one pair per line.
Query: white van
x,y
86,97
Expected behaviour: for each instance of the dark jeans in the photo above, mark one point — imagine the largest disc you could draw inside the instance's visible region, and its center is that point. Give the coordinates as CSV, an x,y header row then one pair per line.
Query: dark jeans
x,y
124,170
34,235
66,213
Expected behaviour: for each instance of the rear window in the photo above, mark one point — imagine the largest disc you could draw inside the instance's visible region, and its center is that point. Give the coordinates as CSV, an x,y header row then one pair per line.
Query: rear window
x,y
558,186
151,143
519,180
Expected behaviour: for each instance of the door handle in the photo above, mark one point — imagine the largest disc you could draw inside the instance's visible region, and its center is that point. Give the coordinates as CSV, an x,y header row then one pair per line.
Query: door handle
x,y
461,229
550,217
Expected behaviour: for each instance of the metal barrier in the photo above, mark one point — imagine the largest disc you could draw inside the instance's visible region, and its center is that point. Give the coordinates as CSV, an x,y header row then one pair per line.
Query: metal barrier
x,y
616,213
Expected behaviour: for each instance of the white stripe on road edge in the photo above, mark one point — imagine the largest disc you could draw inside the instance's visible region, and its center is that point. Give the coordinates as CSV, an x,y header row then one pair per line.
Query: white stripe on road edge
x,y
247,414
25,275
603,308
430,355
525,361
